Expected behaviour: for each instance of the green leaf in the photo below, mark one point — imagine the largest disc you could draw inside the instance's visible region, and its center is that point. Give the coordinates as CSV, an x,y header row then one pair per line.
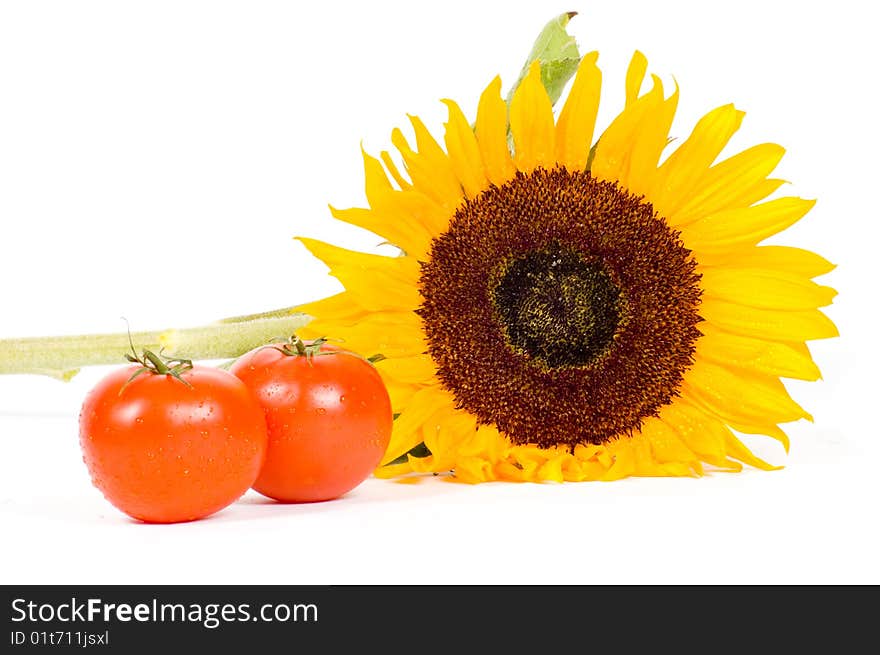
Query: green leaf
x,y
558,53
419,450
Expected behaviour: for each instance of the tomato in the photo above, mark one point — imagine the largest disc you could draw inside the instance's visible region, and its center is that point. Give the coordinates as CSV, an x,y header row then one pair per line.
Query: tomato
x,y
328,414
165,448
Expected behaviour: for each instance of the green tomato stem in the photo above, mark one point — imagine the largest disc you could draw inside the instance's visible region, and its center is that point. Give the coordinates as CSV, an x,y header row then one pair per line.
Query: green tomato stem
x,y
62,356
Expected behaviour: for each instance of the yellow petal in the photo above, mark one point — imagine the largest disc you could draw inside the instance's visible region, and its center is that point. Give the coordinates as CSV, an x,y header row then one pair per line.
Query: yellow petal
x,y
401,394
573,470
445,432
744,226
764,289
710,438
491,131
530,458
379,282
740,397
407,430
628,151
577,120
406,233
666,446
551,470
464,151
682,170
429,167
416,369
531,123
508,472
649,144
644,463
486,441
767,357
635,76
392,334
375,179
341,306
473,470
394,208
425,464
775,258
703,434
413,206
770,324
438,161
402,182
764,429
737,449
735,182
392,471
592,463
624,460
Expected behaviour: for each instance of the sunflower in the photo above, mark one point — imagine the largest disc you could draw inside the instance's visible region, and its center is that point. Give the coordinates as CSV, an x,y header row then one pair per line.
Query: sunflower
x,y
570,309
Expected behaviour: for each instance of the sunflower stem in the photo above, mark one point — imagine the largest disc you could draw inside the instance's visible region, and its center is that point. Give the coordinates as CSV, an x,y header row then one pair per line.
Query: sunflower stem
x,y
62,356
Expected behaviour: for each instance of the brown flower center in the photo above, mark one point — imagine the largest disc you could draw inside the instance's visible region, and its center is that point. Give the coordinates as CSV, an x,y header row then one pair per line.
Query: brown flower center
x,y
560,308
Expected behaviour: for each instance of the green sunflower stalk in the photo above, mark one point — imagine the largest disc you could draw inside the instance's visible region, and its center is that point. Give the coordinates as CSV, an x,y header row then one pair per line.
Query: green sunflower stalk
x,y
567,303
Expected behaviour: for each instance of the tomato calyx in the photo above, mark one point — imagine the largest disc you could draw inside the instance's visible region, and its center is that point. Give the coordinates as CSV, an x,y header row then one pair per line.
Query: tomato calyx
x,y
157,364
293,346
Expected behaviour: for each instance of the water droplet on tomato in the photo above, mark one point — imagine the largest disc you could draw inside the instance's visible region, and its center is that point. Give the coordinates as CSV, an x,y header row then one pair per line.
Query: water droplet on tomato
x,y
139,419
321,411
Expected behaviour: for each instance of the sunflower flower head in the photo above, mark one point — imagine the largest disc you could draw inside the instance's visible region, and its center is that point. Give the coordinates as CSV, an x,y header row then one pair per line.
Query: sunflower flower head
x,y
574,305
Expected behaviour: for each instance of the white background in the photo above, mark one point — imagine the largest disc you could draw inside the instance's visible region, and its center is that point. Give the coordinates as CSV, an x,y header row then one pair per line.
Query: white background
x,y
156,159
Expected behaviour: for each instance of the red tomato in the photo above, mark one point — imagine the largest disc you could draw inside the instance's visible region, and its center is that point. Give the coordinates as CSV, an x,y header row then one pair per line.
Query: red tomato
x,y
163,450
329,419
